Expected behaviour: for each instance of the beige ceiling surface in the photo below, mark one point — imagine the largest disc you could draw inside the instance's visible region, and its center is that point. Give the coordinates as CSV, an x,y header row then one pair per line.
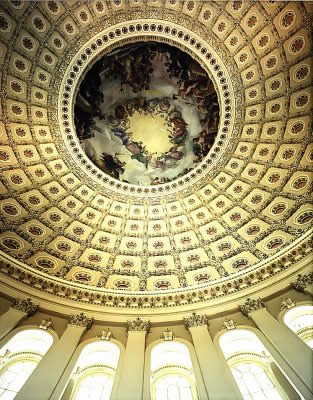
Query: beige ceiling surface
x,y
250,200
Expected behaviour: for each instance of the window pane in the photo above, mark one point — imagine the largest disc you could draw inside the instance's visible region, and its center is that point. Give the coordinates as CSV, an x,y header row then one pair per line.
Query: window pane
x,y
300,320
95,387
173,387
14,377
254,383
299,317
170,353
240,341
32,340
101,352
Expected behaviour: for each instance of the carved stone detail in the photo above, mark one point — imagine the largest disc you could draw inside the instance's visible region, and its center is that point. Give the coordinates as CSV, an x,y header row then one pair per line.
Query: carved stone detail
x,y
25,305
138,325
229,324
196,320
303,281
80,320
46,323
251,305
106,335
167,335
286,304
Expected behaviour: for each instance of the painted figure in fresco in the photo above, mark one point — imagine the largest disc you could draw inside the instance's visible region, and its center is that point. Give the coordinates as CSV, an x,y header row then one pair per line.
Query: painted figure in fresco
x,y
164,104
178,136
120,112
132,66
160,163
133,147
111,165
197,149
121,134
176,153
141,157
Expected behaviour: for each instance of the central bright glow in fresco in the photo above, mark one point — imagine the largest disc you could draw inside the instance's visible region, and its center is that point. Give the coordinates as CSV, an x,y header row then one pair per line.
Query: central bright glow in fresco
x,y
146,113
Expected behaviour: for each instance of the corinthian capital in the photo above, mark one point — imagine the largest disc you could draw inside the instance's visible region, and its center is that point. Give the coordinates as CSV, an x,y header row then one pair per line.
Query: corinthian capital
x,y
80,320
303,281
251,305
196,320
25,305
138,325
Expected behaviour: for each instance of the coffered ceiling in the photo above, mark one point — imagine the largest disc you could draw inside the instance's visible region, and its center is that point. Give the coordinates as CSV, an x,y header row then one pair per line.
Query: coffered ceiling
x,y
237,218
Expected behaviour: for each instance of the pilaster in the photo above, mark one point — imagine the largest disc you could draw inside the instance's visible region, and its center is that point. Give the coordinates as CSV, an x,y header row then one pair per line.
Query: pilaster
x,y
131,382
20,309
296,353
213,366
46,376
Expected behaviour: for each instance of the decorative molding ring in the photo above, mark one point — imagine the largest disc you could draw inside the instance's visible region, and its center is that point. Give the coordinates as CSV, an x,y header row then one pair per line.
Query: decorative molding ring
x,y
172,34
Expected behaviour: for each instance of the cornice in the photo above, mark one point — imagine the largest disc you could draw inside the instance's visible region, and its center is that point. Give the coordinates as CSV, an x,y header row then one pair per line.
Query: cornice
x,y
225,290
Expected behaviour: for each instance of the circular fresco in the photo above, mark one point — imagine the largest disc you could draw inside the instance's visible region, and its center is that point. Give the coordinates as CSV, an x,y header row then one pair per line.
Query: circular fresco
x,y
146,113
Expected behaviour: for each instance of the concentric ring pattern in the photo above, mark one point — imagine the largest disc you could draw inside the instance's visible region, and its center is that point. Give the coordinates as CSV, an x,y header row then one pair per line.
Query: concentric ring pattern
x,y
239,217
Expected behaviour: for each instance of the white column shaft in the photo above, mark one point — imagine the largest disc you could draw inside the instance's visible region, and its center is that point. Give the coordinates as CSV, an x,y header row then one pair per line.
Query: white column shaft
x,y
45,377
297,354
9,320
284,383
131,382
218,379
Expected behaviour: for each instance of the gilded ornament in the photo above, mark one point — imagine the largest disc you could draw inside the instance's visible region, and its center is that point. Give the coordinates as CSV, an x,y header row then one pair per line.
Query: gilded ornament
x,y
251,305
303,281
80,320
286,304
167,335
138,325
229,324
25,305
106,335
46,324
196,320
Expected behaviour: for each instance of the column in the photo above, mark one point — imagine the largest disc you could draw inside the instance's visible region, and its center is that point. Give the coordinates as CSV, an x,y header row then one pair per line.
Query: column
x,y
131,382
304,283
20,309
218,379
297,354
284,383
67,392
45,377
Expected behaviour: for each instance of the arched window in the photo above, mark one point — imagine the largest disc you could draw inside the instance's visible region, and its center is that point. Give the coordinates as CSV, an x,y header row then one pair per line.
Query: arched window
x,y
251,365
19,357
172,376
300,320
94,371
96,385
